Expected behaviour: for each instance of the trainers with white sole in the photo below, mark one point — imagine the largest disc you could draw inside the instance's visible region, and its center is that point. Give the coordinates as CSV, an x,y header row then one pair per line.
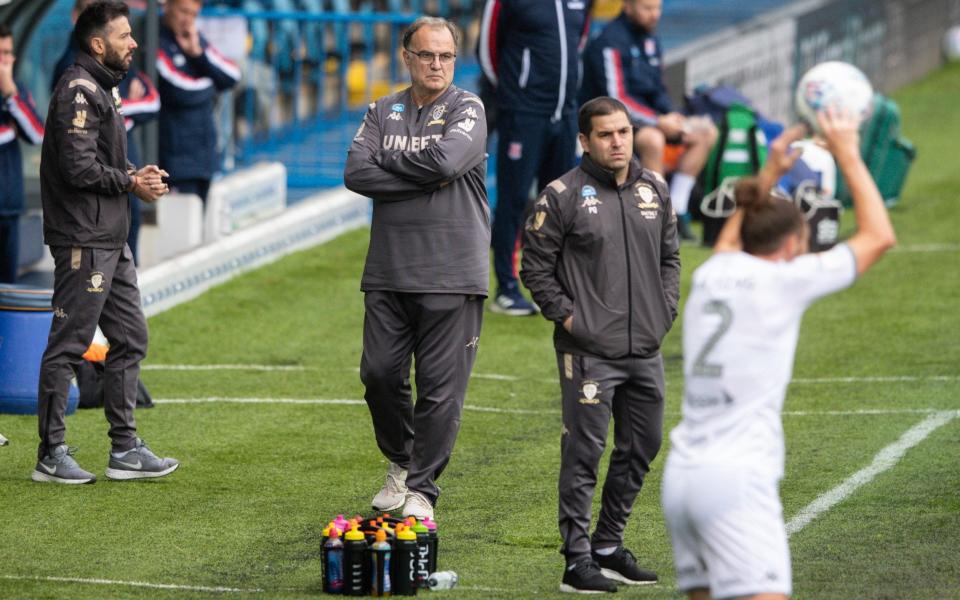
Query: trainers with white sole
x,y
394,491
417,506
139,463
59,466
513,304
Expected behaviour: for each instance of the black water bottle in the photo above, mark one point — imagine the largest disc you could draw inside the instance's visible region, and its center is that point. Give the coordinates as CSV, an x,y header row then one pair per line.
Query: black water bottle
x,y
356,578
433,540
423,554
405,554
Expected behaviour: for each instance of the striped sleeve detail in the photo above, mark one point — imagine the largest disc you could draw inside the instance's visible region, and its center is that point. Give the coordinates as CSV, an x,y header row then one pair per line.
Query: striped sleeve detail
x,y
616,88
229,68
177,78
148,104
488,39
7,134
26,116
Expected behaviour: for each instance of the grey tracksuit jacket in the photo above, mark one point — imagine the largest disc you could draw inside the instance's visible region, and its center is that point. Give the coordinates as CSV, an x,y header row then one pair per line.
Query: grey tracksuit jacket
x,y
607,255
425,170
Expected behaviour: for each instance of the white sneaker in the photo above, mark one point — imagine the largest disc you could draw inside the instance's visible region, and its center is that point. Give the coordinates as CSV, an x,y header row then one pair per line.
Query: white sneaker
x,y
417,506
394,491
3,440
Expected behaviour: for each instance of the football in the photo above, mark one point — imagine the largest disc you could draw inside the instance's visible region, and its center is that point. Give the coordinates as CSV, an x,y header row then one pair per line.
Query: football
x,y
836,84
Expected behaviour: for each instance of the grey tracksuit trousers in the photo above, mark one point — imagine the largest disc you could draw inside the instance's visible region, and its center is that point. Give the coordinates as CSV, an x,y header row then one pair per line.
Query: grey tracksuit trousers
x,y
441,332
93,286
631,390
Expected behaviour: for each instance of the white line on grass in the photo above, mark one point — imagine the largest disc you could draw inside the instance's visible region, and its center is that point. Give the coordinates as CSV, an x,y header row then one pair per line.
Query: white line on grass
x,y
152,367
142,584
928,248
527,411
881,379
883,461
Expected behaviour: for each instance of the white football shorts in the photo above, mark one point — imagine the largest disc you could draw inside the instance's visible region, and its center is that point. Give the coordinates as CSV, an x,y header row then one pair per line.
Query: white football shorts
x,y
726,524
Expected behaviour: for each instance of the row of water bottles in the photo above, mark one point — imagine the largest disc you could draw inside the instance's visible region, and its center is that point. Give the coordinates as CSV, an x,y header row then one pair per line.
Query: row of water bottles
x,y
382,556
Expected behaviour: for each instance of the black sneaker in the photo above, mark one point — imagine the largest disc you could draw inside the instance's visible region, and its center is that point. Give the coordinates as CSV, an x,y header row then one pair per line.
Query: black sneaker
x,y
622,566
585,578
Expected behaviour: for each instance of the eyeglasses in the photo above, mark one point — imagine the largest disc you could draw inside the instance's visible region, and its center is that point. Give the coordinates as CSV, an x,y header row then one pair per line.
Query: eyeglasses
x,y
427,58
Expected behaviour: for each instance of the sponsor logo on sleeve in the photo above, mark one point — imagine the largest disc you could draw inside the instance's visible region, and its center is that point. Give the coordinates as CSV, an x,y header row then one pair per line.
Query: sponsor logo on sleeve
x,y
467,124
80,120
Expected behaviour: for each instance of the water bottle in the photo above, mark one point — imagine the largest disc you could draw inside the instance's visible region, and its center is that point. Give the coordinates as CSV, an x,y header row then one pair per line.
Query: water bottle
x,y
442,580
405,550
356,572
433,540
423,553
380,584
333,563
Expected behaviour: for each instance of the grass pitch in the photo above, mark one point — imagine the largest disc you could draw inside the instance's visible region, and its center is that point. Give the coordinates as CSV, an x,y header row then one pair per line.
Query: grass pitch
x,y
259,480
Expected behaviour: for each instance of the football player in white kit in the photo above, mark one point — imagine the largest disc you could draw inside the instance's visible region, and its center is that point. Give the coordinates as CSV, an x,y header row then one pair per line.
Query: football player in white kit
x,y
740,330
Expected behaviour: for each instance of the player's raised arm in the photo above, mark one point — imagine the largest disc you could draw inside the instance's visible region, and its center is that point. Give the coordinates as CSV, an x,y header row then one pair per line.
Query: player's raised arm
x,y
875,233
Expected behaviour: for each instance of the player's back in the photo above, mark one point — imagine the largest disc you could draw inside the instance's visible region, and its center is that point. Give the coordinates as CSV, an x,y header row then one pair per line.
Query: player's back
x,y
740,330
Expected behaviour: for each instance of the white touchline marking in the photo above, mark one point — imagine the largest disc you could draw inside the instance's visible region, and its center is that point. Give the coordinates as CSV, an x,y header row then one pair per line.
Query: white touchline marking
x,y
880,379
927,248
143,584
531,411
336,401
883,461
502,377
223,368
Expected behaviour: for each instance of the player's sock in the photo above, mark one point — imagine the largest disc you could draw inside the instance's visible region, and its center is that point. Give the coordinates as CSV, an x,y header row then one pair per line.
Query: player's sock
x,y
680,188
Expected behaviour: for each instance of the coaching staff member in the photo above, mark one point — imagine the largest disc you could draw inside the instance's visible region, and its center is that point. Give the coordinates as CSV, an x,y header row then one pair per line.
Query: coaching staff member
x,y
601,257
84,181
420,155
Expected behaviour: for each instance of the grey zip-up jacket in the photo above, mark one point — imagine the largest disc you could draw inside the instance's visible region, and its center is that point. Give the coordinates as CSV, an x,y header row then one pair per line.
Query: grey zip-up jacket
x,y
84,171
425,170
607,255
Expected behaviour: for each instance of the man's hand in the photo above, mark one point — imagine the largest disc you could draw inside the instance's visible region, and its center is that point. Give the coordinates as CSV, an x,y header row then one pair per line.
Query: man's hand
x,y
189,40
671,124
782,156
148,183
568,324
137,89
7,85
840,130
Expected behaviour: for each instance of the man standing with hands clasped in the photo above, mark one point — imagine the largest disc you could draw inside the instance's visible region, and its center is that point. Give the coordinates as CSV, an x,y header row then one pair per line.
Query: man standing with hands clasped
x,y
602,259
84,181
420,155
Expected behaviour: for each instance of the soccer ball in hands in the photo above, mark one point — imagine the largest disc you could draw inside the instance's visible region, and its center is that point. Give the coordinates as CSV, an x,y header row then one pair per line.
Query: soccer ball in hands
x,y
836,84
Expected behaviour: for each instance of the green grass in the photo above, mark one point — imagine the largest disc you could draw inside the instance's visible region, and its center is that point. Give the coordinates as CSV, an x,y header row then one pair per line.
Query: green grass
x,y
259,481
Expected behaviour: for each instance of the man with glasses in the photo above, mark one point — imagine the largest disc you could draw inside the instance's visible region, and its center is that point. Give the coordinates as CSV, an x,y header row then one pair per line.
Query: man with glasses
x,y
419,154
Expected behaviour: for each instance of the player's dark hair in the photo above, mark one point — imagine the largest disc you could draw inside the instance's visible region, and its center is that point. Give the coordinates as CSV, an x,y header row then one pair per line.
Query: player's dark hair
x,y
94,19
600,106
767,219
430,22
5,31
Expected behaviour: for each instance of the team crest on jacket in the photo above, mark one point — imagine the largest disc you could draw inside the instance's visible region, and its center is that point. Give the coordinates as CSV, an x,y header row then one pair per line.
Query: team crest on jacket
x,y
647,204
590,200
96,283
438,111
589,392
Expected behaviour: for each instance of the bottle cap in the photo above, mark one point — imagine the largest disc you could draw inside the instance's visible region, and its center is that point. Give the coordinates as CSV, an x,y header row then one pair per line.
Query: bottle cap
x,y
353,535
334,533
430,524
381,535
420,528
406,534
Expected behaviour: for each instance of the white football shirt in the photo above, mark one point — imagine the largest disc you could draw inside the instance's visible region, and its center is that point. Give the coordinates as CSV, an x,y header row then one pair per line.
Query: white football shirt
x,y
740,330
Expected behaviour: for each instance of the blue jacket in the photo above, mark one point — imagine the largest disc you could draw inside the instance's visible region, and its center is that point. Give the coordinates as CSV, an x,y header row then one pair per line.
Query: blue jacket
x,y
188,89
135,112
626,63
18,118
530,50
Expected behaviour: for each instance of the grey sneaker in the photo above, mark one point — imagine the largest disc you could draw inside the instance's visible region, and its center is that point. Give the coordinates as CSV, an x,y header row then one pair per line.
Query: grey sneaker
x,y
58,466
140,463
394,491
417,506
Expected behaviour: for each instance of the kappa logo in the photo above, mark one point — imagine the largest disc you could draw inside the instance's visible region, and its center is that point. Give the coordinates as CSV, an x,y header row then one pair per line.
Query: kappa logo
x,y
470,112
395,116
542,201
79,99
80,120
96,283
590,200
467,124
474,342
590,392
60,313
